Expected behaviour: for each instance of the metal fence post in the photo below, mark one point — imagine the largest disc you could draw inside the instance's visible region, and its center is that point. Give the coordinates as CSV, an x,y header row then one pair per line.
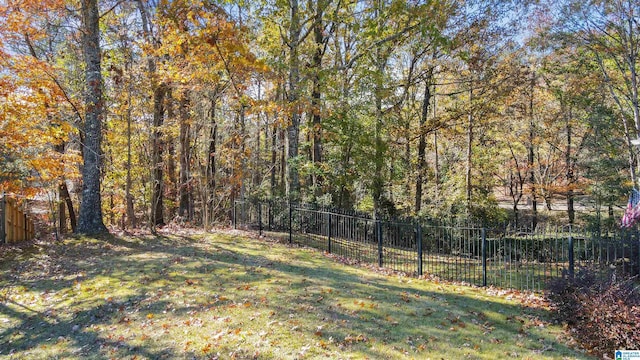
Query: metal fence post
x,y
379,238
290,223
484,257
571,259
419,243
329,232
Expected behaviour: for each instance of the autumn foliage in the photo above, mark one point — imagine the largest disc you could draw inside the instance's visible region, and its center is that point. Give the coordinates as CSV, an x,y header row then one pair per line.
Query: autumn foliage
x,y
418,108
602,312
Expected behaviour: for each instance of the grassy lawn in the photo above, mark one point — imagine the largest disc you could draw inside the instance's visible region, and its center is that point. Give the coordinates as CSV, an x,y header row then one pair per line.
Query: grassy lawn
x,y
227,295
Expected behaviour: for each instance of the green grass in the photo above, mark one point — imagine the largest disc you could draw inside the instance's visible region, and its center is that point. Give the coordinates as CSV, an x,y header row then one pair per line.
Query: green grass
x,y
515,275
226,295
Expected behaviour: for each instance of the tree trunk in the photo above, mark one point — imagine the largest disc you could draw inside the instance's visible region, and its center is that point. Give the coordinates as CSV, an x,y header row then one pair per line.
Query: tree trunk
x,y
422,144
316,95
283,161
293,183
569,165
378,182
66,198
131,217
531,158
436,166
211,160
157,144
257,154
171,184
436,160
184,189
274,154
62,214
90,219
469,162
243,148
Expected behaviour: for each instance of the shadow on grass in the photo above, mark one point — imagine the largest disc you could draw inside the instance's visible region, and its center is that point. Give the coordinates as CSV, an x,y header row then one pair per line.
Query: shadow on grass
x,y
336,308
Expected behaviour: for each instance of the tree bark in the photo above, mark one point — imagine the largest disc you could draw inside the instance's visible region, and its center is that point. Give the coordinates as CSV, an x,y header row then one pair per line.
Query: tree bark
x,y
274,153
283,161
66,198
293,130
131,217
469,162
436,160
381,63
316,94
157,145
90,219
172,183
569,165
422,144
185,193
531,158
436,166
211,162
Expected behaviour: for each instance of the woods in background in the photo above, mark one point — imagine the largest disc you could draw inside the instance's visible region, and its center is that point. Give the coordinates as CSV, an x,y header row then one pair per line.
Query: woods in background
x,y
395,107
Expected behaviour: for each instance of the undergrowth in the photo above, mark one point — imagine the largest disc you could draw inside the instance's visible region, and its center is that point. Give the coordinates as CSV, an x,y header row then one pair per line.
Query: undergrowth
x,y
601,311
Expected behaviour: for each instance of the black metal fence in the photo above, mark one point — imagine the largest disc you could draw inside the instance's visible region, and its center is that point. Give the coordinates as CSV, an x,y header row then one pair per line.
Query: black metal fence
x,y
503,258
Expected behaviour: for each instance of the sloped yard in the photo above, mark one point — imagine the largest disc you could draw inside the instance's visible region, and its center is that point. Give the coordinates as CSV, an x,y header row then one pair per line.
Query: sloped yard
x,y
227,295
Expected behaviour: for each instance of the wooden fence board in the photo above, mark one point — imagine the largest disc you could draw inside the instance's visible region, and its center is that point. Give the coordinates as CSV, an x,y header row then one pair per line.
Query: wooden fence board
x,y
15,225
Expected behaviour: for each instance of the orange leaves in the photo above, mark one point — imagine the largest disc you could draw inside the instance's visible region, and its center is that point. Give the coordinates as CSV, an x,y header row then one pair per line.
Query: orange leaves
x,y
33,117
206,349
363,304
352,339
20,18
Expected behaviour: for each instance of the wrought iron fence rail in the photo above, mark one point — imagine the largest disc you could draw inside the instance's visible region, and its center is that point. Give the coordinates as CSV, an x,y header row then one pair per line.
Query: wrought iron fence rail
x,y
503,258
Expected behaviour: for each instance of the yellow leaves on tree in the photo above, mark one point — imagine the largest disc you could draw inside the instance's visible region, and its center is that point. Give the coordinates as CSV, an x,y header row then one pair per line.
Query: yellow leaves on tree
x,y
204,45
34,114
25,18
32,122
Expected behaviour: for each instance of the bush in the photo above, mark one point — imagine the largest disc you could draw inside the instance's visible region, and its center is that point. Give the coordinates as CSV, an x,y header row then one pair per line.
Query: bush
x,y
602,311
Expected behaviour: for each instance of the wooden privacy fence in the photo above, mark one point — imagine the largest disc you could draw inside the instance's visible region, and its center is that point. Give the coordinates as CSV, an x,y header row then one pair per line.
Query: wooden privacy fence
x,y
15,225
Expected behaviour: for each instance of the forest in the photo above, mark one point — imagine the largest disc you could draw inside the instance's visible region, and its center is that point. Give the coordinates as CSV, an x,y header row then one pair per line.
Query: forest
x,y
133,113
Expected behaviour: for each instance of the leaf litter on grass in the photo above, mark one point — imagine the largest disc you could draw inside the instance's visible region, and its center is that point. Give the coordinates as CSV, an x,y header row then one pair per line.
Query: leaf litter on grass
x,y
225,295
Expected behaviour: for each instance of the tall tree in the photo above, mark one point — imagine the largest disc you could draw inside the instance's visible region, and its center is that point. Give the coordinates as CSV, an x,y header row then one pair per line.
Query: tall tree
x,y
293,130
90,217
610,30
